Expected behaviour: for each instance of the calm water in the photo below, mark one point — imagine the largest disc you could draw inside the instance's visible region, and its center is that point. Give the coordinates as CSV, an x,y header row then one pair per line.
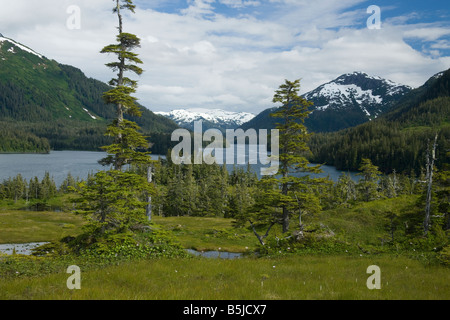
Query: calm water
x,y
80,163
58,163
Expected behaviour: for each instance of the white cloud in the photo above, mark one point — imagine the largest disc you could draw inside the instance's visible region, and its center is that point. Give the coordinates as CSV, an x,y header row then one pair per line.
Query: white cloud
x,y
199,8
200,57
427,33
240,3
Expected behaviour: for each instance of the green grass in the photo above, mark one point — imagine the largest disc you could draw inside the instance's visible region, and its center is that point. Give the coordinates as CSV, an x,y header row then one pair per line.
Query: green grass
x,y
364,223
209,233
287,278
29,226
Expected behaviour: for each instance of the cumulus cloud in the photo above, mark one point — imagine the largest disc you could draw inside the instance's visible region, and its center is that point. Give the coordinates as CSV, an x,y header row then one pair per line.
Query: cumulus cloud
x,y
199,56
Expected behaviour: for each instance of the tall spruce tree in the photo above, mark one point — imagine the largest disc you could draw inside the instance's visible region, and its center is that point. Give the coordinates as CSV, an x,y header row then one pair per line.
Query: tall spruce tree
x,y
118,200
293,149
129,143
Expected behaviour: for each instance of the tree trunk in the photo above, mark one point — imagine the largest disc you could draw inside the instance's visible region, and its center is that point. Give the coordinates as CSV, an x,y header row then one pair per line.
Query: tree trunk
x,y
300,223
430,167
261,238
149,197
285,221
120,111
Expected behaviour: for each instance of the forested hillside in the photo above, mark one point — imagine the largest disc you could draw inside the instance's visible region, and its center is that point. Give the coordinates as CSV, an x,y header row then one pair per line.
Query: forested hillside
x,y
397,140
46,105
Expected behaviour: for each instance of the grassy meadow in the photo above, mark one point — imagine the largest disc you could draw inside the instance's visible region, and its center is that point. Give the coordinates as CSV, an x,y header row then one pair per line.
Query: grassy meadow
x,y
309,276
285,278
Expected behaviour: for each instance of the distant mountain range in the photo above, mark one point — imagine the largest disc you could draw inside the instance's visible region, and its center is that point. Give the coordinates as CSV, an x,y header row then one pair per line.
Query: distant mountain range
x,y
47,105
211,118
347,101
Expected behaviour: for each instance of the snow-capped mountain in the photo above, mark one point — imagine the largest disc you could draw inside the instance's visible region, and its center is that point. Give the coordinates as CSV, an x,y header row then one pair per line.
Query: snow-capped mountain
x,y
347,101
212,118
370,94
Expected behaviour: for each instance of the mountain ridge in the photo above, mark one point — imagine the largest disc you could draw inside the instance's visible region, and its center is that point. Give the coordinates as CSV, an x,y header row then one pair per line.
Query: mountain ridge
x,y
347,101
43,99
397,140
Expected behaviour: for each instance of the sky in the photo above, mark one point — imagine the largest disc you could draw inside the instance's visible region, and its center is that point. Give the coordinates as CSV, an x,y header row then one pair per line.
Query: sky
x,y
234,54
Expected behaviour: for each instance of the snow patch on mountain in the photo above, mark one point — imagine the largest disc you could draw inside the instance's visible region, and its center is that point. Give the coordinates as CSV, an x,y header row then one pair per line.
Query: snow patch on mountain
x,y
87,111
21,46
334,91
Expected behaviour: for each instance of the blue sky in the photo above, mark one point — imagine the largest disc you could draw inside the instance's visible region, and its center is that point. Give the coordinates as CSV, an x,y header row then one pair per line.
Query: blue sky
x,y
233,54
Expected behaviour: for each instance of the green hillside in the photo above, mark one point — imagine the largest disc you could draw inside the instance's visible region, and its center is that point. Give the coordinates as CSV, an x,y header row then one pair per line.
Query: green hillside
x,y
55,106
398,139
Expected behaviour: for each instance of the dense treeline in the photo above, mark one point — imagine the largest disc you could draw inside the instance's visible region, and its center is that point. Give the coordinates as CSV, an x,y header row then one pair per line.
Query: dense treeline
x,y
392,145
25,137
18,188
202,190
18,140
213,190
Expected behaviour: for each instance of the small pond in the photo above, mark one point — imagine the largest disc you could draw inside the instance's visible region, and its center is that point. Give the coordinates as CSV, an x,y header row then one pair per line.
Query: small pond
x,y
21,248
26,249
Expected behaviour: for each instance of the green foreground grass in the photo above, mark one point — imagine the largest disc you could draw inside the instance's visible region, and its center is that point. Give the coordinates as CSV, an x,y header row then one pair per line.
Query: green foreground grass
x,y
286,278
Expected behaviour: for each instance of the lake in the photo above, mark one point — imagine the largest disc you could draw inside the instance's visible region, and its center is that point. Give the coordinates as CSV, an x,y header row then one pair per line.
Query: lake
x,y
81,163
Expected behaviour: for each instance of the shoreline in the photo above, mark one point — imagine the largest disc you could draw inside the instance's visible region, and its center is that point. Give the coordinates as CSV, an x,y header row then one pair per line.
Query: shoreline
x,y
26,152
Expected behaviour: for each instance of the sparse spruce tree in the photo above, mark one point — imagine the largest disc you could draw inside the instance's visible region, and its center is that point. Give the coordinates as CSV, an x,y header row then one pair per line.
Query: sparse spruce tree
x,y
266,209
368,185
129,143
345,190
293,149
112,201
117,200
